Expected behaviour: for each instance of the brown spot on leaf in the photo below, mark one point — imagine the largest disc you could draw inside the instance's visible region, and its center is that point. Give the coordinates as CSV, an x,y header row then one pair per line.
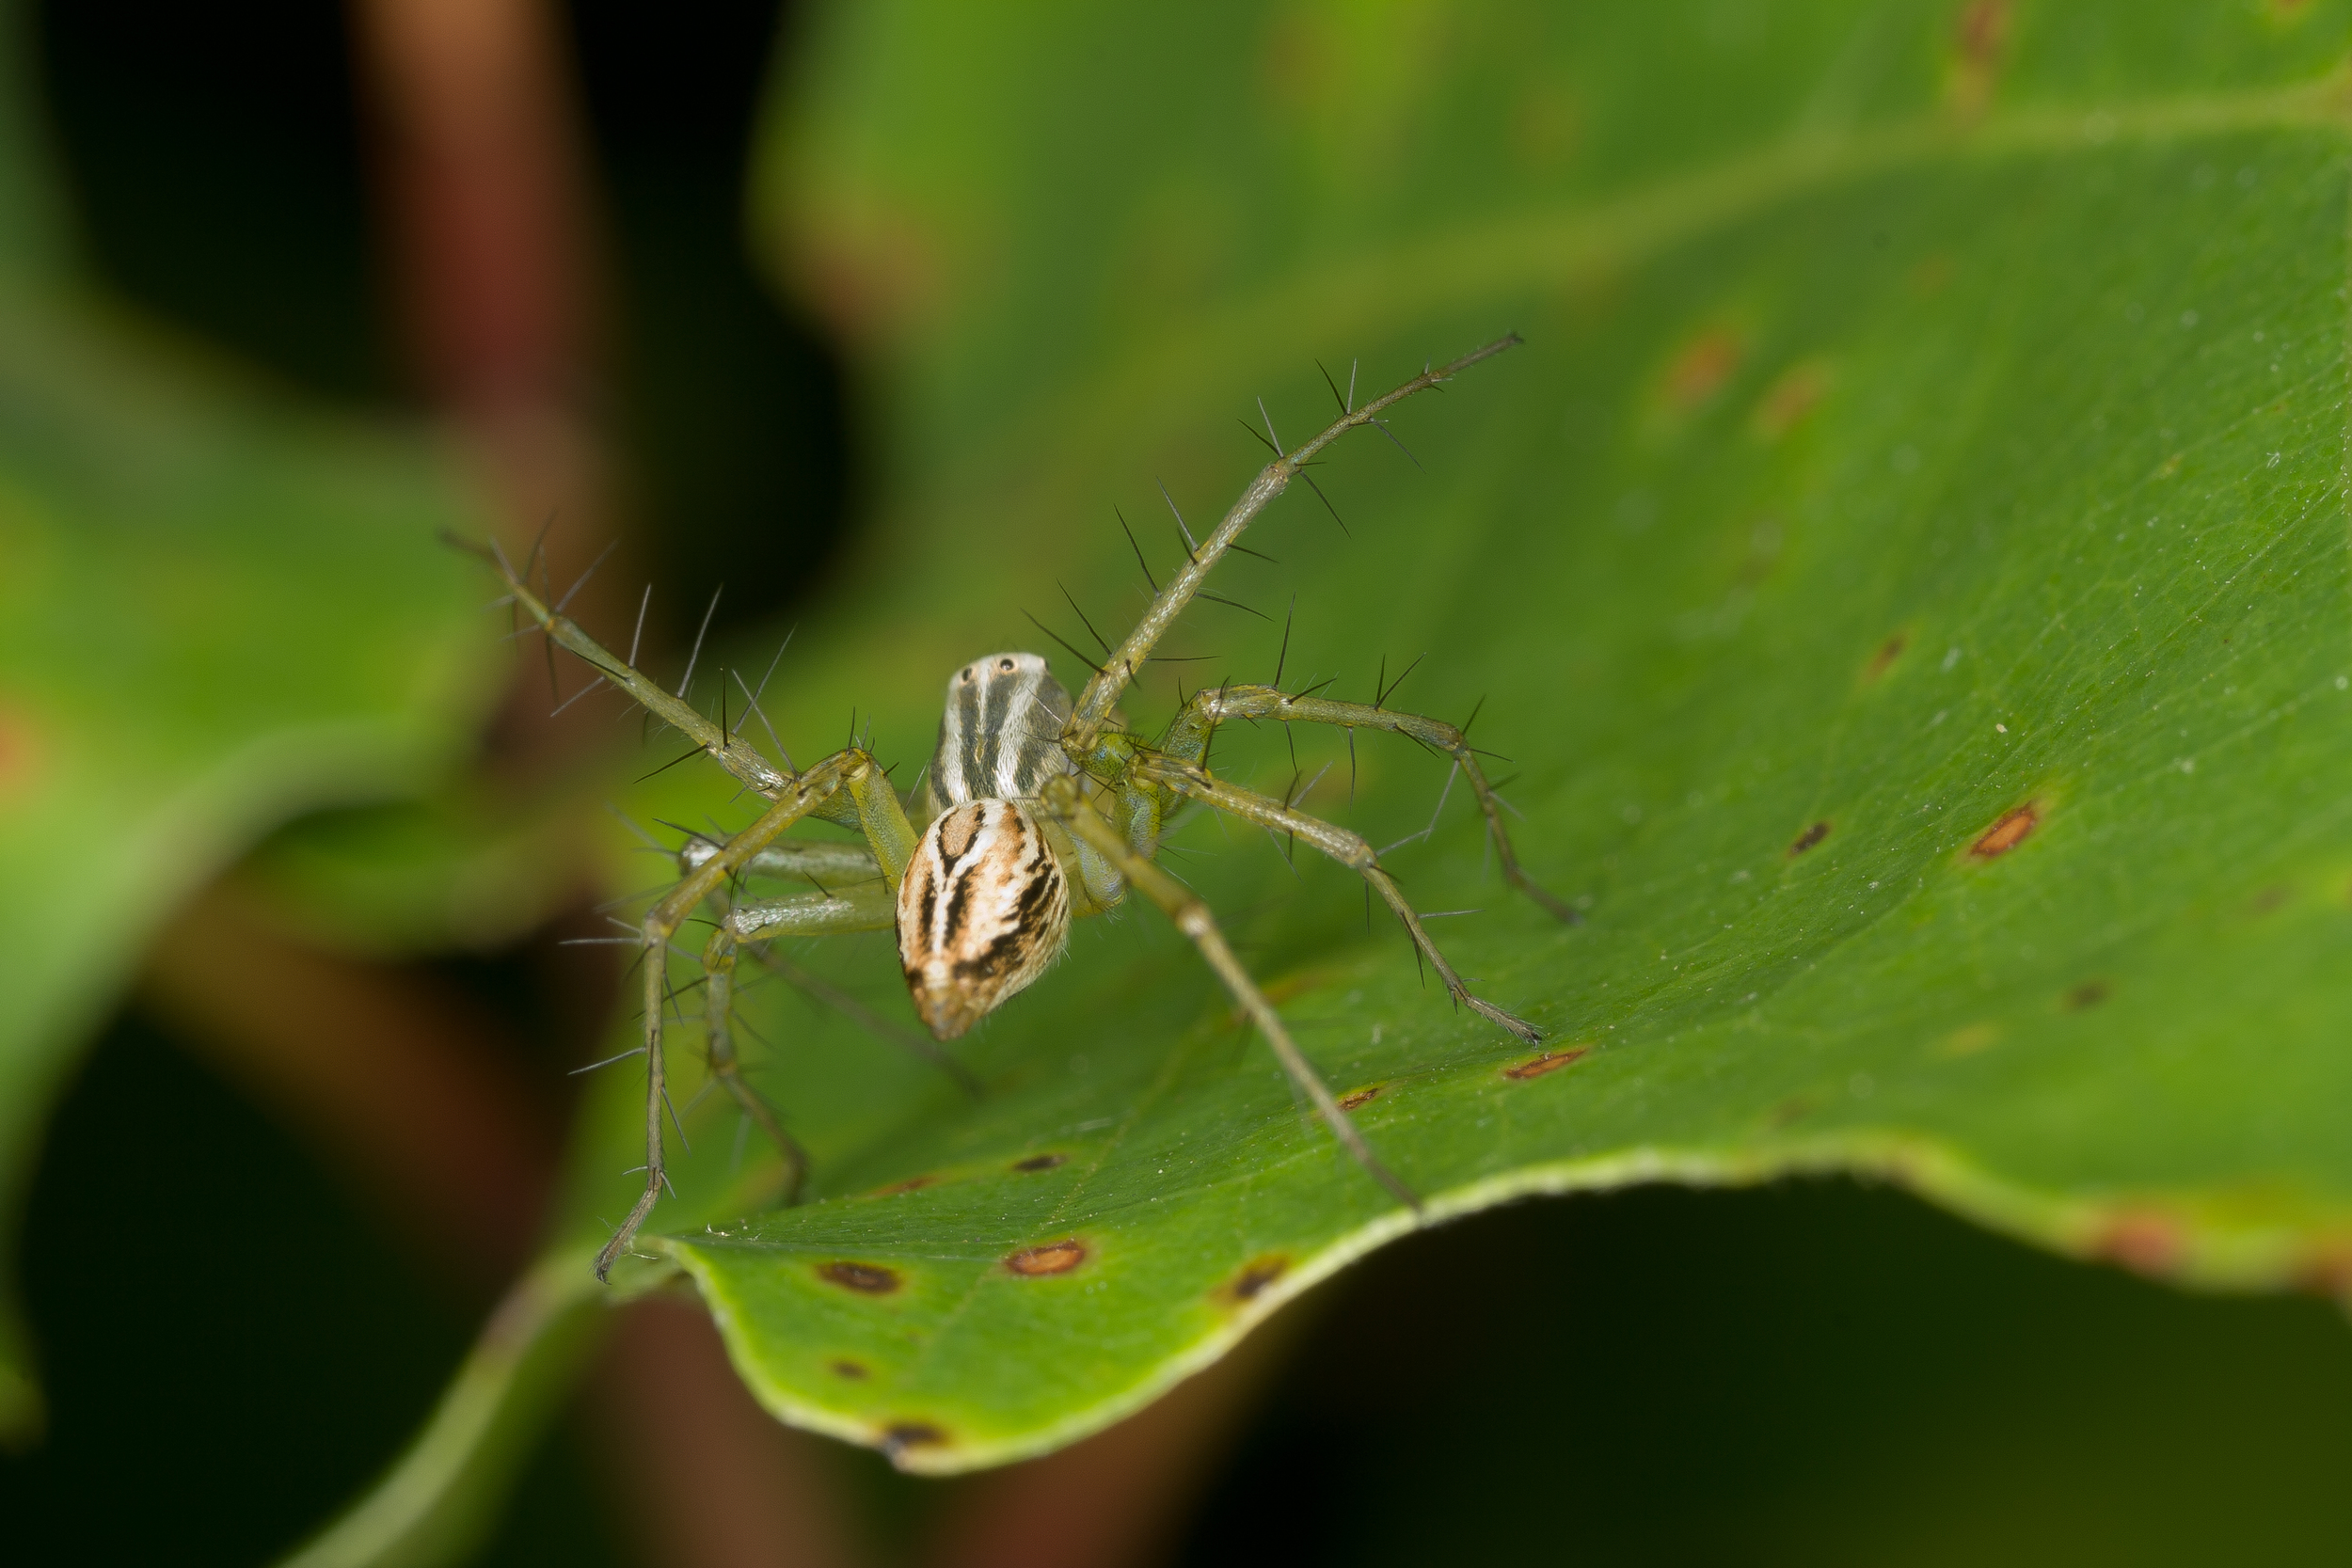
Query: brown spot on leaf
x,y
1296,984
1546,125
1790,398
2268,899
1701,369
1296,68
1795,1108
1884,661
913,1183
2328,1271
1550,1061
2007,833
1041,1162
871,1279
2089,994
2169,466
1978,44
1933,276
20,752
1364,1096
1808,838
2142,1241
1052,1258
850,1369
1968,1039
1254,1277
901,1437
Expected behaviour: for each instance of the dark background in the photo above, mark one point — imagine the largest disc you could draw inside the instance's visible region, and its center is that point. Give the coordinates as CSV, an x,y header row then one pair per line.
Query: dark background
x,y
233,1343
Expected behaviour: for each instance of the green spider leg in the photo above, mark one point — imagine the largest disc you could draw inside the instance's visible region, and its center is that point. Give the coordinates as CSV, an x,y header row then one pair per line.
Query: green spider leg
x,y
827,865
1065,800
1176,765
869,906
1144,784
1189,738
865,904
852,772
848,788
1349,848
1090,715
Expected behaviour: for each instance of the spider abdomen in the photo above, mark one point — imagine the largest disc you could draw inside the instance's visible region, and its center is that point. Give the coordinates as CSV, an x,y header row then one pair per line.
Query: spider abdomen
x,y
984,911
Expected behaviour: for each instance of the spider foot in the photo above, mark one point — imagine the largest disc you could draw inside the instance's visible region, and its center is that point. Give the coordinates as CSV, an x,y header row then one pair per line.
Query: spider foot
x,y
1559,909
1493,1014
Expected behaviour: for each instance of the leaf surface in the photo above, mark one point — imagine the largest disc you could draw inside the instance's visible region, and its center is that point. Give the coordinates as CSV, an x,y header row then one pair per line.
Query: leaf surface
x,y
1905,571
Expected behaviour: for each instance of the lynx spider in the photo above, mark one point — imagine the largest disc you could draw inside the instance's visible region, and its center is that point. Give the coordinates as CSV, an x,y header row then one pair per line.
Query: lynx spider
x,y
1034,809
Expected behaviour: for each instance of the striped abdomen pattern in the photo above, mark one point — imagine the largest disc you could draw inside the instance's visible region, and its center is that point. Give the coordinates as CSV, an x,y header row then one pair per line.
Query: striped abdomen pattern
x,y
984,910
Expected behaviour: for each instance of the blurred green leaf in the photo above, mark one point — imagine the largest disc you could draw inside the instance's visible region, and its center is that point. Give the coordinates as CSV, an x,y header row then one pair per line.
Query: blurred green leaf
x,y
465,869
1906,565
217,609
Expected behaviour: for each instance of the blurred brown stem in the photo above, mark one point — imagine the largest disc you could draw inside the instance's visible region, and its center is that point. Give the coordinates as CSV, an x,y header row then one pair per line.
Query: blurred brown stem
x,y
483,186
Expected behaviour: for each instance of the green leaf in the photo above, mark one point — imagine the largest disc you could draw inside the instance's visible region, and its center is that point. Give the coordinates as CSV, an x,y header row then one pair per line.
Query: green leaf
x,y
217,610
464,868
1906,565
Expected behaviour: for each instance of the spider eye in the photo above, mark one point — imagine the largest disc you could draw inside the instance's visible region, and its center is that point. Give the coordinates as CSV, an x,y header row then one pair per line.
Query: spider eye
x,y
1005,664
967,674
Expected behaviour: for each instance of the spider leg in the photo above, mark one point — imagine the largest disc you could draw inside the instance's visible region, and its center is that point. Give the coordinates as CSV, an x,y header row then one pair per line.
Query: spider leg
x,y
1348,848
1092,709
864,908
851,772
733,752
825,864
1064,799
1188,739
846,788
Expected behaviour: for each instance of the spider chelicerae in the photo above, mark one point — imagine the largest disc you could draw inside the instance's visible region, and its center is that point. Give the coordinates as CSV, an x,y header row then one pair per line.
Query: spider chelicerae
x,y
1034,809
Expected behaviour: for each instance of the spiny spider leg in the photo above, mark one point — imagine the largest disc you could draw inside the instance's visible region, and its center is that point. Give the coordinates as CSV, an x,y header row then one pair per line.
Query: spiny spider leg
x,y
1349,850
987,809
1188,738
828,865
1064,797
848,788
867,907
718,1038
736,754
1092,709
853,771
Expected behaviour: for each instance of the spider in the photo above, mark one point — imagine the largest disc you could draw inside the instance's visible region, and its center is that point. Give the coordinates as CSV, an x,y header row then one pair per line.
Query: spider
x,y
1034,809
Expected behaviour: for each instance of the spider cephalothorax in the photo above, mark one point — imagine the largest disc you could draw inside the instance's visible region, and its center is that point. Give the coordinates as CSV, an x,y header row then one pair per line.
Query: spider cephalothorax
x,y
985,906
1036,809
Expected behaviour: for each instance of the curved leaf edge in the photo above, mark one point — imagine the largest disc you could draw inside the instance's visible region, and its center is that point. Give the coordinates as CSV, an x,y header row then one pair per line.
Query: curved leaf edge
x,y
2182,1239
